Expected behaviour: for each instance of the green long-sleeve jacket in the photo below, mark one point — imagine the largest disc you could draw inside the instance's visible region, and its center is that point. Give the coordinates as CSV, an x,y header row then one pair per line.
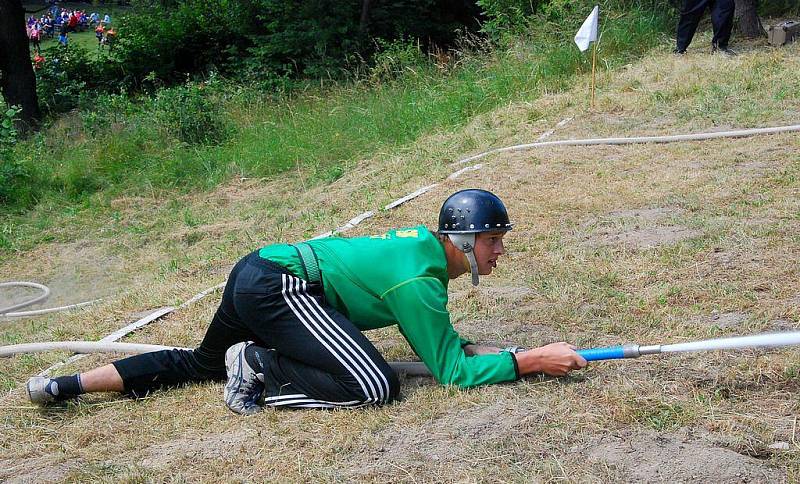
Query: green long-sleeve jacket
x,y
399,277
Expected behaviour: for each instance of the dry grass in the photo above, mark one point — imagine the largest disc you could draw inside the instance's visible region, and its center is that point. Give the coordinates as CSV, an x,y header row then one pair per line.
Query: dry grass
x,y
613,244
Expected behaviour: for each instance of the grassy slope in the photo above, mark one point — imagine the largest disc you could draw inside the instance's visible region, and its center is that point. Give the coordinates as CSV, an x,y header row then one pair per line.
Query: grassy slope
x,y
84,162
574,271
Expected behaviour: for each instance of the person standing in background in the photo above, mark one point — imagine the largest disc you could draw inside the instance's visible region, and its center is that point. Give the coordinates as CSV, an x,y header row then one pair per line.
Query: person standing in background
x,y
62,34
721,20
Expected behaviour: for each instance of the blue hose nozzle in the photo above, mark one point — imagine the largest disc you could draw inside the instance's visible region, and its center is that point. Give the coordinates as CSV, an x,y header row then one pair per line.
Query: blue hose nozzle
x,y
616,352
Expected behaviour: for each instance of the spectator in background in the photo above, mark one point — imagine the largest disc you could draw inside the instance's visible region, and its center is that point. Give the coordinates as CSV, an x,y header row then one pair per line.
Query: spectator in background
x,y
47,26
111,38
107,19
721,20
73,22
62,34
35,34
99,31
83,20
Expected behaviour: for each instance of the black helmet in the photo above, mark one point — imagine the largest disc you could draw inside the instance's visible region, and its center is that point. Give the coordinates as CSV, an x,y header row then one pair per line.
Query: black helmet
x,y
472,211
468,212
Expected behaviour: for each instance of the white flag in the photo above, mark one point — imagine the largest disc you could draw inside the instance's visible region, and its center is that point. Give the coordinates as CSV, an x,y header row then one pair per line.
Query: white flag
x,y
588,32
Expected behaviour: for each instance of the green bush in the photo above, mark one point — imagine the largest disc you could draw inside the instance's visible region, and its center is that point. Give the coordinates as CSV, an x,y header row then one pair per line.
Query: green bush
x,y
13,175
395,59
779,7
505,17
190,114
8,133
61,78
106,112
191,36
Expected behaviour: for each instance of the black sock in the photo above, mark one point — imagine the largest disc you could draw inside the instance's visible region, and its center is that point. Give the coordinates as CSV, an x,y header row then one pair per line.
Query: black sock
x,y
68,387
254,355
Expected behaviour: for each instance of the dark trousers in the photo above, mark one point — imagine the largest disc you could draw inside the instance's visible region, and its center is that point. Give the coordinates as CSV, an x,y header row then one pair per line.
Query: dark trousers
x,y
721,19
317,357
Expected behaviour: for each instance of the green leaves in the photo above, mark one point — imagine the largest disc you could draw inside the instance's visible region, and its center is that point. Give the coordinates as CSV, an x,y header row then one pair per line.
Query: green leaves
x,y
8,134
12,173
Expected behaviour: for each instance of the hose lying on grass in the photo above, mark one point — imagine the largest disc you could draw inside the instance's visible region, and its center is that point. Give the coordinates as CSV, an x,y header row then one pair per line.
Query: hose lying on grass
x,y
11,311
411,368
415,368
739,133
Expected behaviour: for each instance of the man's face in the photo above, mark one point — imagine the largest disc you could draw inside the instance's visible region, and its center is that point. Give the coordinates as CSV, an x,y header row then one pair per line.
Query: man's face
x,y
488,247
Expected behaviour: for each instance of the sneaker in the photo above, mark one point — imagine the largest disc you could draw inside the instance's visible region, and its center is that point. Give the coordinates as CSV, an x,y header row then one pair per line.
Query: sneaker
x,y
41,390
679,52
726,51
245,385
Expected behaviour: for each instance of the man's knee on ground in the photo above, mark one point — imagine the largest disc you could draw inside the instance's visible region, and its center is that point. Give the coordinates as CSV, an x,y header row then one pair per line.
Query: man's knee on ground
x,y
394,384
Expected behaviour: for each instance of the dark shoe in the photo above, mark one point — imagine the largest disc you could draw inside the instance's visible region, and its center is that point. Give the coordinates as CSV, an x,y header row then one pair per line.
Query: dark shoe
x,y
726,51
679,52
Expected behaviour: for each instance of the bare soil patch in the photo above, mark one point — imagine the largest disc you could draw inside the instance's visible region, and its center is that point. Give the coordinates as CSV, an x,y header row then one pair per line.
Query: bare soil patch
x,y
507,294
74,272
638,228
504,333
783,325
35,469
652,457
732,319
635,217
457,440
754,167
12,295
646,214
203,447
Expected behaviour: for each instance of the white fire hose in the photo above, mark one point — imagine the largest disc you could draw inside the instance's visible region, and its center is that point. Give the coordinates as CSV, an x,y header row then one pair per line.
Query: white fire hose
x,y
11,311
410,368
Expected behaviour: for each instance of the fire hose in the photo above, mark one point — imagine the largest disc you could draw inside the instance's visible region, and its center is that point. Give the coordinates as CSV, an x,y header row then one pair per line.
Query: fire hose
x,y
415,368
11,311
591,354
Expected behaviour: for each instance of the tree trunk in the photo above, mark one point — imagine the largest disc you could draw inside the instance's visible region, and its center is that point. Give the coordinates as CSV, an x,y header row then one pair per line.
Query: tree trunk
x,y
749,23
17,80
364,20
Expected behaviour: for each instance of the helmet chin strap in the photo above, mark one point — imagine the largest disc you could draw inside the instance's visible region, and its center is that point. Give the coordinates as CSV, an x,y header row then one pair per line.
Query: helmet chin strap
x,y
465,243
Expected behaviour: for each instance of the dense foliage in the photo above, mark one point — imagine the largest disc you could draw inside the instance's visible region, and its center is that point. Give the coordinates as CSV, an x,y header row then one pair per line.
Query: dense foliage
x,y
276,42
272,40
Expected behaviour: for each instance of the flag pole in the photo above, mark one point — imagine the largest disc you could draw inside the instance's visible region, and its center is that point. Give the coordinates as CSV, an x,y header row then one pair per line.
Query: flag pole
x,y
594,58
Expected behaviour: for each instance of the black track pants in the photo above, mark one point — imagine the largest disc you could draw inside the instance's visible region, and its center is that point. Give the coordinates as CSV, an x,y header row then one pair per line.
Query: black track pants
x,y
721,19
317,358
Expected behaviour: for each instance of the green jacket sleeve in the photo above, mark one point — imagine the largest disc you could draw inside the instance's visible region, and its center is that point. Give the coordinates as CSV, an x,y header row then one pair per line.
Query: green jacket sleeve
x,y
420,307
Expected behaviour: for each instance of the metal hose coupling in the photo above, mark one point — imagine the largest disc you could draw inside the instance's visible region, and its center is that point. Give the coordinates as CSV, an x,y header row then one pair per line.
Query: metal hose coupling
x,y
617,352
